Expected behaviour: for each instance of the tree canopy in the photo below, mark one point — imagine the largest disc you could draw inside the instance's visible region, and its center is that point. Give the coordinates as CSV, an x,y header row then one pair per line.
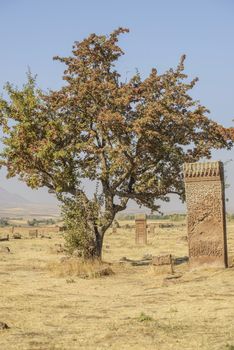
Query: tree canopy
x,y
130,137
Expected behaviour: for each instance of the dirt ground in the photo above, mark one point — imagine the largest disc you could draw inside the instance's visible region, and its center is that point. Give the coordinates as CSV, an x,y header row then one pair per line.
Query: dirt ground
x,y
136,308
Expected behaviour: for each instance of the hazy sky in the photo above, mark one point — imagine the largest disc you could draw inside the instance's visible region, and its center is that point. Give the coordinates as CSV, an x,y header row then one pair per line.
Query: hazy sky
x,y
33,31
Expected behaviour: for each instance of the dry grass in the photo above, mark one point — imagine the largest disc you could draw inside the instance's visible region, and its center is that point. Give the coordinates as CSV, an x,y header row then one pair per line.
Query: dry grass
x,y
135,308
80,268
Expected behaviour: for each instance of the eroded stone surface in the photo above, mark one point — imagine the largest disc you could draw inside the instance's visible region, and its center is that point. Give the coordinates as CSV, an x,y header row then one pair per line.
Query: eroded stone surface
x,y
162,261
141,231
204,186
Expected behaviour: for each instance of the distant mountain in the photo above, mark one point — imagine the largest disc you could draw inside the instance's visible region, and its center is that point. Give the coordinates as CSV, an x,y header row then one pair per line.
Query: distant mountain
x,y
11,200
12,204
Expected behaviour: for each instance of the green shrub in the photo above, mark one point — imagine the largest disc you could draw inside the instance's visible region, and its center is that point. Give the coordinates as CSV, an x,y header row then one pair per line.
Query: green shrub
x,y
79,235
4,222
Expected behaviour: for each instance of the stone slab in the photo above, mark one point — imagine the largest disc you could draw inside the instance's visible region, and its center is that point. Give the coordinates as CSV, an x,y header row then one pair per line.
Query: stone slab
x,y
206,222
141,229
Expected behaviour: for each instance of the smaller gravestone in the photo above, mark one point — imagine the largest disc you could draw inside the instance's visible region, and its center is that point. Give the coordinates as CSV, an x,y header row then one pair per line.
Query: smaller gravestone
x,y
164,261
141,231
33,233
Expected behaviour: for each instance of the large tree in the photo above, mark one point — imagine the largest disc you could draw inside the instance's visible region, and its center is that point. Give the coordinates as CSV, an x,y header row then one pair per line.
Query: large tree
x,y
130,137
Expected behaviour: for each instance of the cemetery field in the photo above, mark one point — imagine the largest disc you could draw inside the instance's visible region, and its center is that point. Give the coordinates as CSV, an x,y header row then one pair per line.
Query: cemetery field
x,y
137,307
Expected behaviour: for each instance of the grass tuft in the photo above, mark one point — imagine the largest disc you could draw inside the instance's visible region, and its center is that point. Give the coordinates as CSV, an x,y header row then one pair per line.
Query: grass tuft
x,y
80,268
145,318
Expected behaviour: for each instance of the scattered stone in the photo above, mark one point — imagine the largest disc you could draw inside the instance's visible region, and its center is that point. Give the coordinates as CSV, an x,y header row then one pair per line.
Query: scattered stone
x,y
16,236
180,260
166,225
42,235
140,262
184,238
5,250
4,237
147,257
3,325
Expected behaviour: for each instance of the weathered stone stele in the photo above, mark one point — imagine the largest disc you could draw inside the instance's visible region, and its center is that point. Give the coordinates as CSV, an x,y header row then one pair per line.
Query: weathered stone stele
x,y
141,231
206,222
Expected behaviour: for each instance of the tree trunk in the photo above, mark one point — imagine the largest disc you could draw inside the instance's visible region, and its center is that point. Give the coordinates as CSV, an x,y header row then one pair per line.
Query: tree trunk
x,y
98,242
98,245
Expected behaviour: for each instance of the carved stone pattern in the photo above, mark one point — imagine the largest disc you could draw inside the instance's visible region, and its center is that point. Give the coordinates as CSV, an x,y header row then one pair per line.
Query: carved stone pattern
x,y
162,260
206,248
204,170
203,203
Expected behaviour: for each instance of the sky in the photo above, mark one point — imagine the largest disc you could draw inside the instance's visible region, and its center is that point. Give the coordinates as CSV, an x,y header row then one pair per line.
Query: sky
x,y
33,31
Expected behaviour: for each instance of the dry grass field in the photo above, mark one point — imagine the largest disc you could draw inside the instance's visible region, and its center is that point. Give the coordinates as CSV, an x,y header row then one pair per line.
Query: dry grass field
x,y
135,308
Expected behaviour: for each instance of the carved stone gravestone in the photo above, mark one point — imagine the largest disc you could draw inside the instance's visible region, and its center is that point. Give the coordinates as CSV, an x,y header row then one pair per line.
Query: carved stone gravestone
x,y
204,188
163,261
141,231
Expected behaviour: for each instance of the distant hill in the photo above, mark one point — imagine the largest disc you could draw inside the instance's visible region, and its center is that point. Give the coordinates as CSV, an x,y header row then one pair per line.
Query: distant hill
x,y
11,200
12,204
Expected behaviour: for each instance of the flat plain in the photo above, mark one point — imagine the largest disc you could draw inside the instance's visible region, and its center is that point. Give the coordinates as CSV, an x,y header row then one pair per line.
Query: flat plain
x,y
137,307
